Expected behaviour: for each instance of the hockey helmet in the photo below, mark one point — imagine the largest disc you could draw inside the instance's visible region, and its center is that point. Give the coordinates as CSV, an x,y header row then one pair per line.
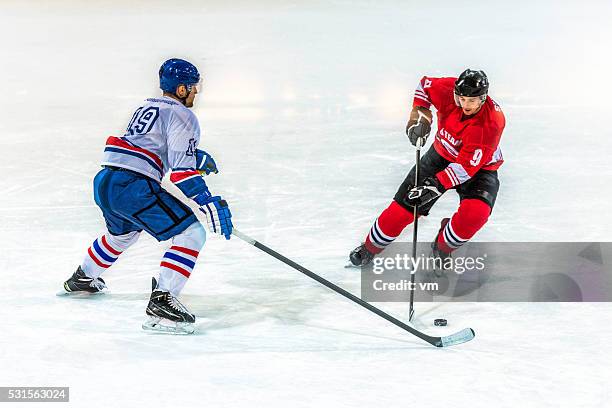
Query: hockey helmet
x,y
472,83
175,72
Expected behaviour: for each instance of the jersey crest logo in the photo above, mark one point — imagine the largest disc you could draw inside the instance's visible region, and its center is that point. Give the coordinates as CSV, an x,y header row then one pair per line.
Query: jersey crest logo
x,y
449,137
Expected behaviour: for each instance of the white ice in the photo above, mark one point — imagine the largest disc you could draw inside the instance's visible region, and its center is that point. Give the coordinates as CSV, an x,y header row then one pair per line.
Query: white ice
x,y
304,109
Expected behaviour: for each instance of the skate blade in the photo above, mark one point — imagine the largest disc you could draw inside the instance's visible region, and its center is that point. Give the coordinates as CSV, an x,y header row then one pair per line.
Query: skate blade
x,y
80,294
351,266
165,326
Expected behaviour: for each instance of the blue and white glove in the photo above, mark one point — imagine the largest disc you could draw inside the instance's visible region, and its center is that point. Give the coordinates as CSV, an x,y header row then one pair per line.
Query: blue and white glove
x,y
205,163
218,215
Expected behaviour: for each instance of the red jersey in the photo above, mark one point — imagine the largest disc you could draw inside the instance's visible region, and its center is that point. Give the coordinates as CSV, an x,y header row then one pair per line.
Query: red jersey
x,y
469,143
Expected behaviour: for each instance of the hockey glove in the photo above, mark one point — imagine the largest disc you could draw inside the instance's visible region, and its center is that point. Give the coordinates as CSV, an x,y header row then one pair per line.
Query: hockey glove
x,y
418,129
205,164
421,195
218,215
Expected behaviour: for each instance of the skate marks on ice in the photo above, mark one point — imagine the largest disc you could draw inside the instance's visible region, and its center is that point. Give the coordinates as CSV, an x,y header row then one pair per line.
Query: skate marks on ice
x,y
286,315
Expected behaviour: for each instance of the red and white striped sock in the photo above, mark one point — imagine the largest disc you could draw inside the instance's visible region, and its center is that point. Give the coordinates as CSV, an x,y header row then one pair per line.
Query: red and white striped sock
x,y
470,217
179,260
104,252
387,227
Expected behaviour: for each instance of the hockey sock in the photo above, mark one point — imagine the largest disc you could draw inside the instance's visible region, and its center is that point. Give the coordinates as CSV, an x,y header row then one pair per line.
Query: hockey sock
x,y
471,216
104,252
387,227
179,260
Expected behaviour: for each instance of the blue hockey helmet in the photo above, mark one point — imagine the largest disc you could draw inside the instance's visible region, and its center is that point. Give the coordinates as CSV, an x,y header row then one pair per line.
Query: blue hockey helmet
x,y
176,71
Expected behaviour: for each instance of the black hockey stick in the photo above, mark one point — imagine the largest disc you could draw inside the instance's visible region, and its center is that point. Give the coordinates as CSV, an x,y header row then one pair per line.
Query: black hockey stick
x,y
416,228
456,338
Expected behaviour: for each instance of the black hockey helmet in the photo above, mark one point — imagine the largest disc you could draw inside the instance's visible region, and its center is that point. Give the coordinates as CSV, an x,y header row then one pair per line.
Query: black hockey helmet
x,y
472,83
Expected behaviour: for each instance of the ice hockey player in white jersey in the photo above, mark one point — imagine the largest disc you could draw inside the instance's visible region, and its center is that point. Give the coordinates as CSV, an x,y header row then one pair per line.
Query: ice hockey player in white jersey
x,y
162,137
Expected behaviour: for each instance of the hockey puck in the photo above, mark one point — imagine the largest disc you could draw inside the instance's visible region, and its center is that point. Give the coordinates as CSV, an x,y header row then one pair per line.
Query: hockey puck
x,y
440,322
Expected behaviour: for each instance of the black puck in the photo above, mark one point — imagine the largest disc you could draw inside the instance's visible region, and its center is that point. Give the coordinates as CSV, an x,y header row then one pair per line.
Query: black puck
x,y
440,322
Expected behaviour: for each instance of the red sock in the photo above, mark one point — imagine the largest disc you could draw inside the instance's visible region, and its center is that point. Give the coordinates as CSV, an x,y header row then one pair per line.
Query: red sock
x,y
387,227
470,217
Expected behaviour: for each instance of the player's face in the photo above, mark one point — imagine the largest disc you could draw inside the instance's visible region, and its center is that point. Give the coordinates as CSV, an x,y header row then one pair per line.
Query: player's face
x,y
191,96
470,104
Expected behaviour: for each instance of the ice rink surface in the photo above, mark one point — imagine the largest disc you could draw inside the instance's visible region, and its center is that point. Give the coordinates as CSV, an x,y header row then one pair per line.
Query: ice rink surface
x,y
304,109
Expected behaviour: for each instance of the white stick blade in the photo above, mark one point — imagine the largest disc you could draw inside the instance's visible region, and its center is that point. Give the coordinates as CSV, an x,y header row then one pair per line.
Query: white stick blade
x,y
460,337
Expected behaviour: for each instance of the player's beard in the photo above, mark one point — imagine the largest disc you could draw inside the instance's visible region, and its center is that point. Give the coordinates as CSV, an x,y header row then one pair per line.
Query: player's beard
x,y
188,101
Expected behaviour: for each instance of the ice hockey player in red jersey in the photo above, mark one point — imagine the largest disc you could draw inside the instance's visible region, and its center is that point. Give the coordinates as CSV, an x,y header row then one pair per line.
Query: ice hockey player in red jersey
x,y
464,156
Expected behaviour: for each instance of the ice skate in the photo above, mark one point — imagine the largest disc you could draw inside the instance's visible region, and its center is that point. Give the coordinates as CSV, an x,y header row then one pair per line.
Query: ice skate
x,y
167,314
79,283
360,256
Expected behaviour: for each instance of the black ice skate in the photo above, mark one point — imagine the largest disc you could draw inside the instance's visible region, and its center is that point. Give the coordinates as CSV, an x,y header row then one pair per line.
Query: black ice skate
x,y
360,256
81,283
167,314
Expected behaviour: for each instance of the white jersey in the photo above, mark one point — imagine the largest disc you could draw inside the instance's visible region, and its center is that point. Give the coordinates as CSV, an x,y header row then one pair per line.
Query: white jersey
x,y
162,136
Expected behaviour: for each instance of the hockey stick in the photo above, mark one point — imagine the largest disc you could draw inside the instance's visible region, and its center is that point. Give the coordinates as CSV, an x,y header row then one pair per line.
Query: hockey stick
x,y
416,228
456,338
